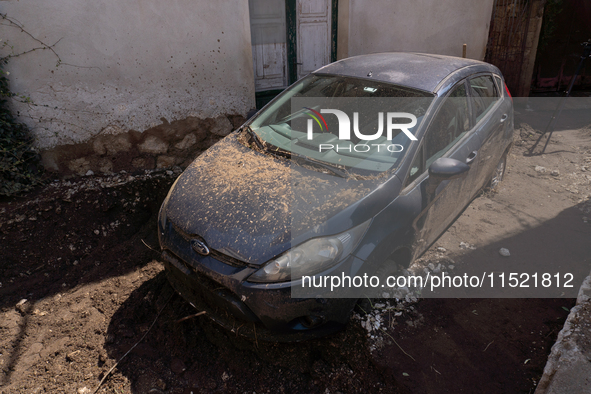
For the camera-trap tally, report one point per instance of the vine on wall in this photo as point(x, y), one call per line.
point(20, 167)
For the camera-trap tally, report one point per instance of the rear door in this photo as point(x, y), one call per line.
point(491, 115)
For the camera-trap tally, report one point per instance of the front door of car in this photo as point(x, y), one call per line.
point(449, 134)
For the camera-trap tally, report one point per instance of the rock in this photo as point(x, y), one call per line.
point(153, 145)
point(142, 162)
point(540, 169)
point(165, 161)
point(20, 306)
point(89, 173)
point(465, 245)
point(441, 250)
point(111, 144)
point(221, 126)
point(161, 385)
point(504, 252)
point(187, 142)
point(555, 173)
point(84, 390)
point(79, 166)
point(105, 166)
point(568, 367)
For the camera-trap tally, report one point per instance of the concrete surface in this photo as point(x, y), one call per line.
point(428, 26)
point(568, 369)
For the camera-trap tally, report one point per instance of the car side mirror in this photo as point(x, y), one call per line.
point(445, 169)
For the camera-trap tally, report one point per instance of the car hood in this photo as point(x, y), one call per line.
point(251, 205)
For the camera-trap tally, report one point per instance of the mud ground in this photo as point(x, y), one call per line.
point(81, 284)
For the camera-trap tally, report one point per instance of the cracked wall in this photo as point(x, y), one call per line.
point(124, 68)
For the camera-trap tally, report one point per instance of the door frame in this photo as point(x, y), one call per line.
point(263, 97)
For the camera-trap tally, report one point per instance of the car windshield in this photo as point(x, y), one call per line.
point(353, 124)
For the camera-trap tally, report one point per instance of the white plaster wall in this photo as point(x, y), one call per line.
point(127, 64)
point(429, 26)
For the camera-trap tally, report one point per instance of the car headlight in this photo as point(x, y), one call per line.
point(310, 257)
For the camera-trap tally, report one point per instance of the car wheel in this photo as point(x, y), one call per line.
point(499, 173)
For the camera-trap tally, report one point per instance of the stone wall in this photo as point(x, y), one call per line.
point(169, 144)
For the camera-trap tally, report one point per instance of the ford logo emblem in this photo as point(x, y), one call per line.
point(199, 247)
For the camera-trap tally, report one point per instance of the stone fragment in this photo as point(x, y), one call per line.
point(153, 145)
point(141, 163)
point(20, 306)
point(105, 166)
point(187, 142)
point(165, 161)
point(111, 144)
point(79, 166)
point(221, 126)
point(504, 252)
point(540, 169)
point(465, 245)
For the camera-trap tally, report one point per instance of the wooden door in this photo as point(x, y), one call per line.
point(313, 18)
point(269, 44)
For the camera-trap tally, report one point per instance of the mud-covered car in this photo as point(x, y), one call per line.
point(354, 170)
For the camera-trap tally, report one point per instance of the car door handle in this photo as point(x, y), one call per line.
point(504, 118)
point(471, 157)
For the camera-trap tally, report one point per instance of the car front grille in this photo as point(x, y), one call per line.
point(224, 258)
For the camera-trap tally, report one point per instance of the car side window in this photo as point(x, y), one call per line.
point(450, 124)
point(484, 95)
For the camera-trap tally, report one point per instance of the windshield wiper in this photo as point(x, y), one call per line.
point(257, 140)
point(332, 168)
point(274, 150)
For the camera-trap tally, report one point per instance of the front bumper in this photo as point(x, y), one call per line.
point(265, 312)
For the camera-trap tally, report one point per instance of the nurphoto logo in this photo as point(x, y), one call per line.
point(344, 132)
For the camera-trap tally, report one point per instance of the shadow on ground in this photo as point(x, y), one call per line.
point(199, 356)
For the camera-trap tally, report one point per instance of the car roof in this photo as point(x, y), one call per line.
point(416, 70)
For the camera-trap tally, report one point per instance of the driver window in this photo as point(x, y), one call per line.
point(450, 124)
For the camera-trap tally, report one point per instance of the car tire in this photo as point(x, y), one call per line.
point(499, 173)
